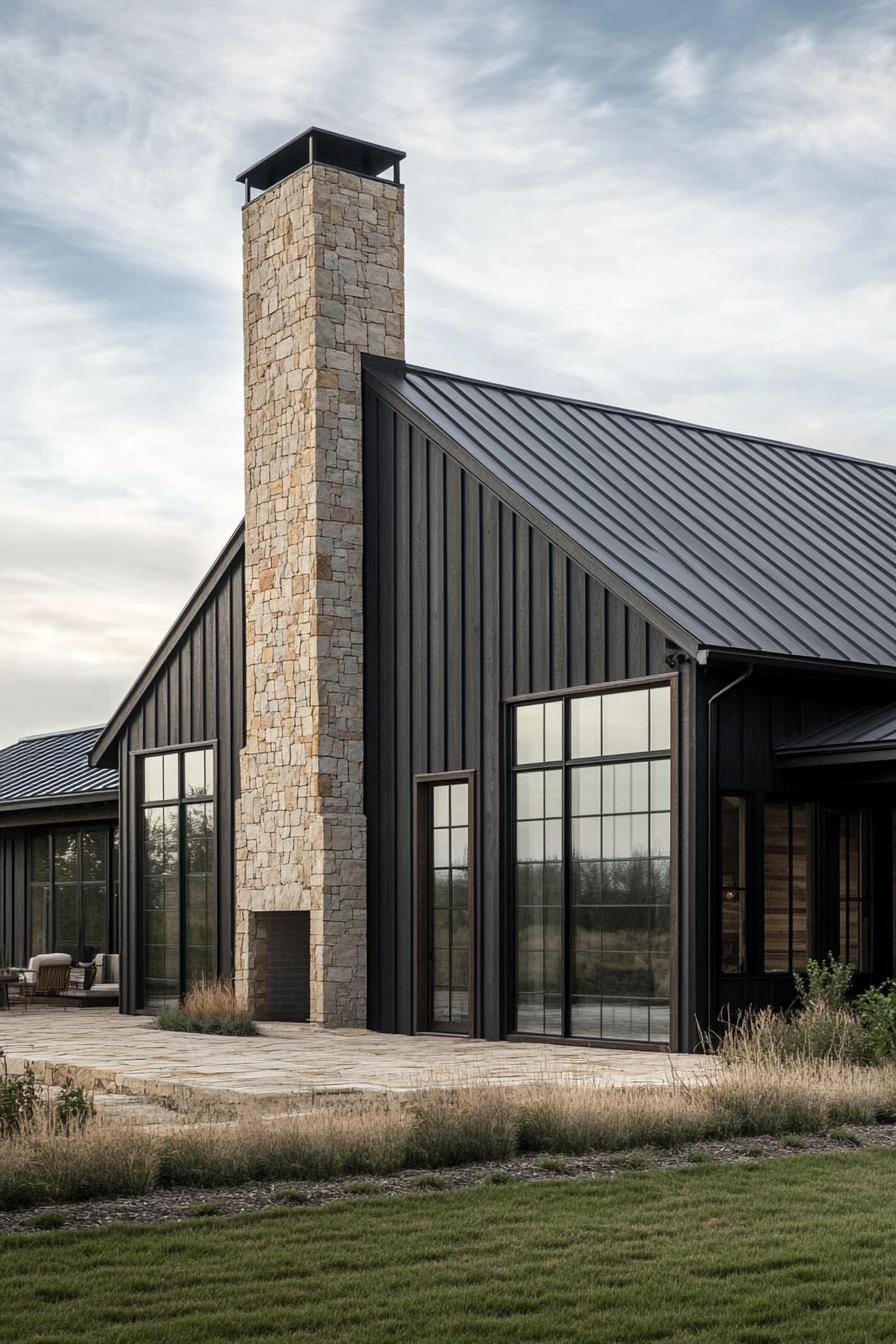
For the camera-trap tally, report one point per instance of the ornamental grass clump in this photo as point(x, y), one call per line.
point(210, 1007)
point(586, 1118)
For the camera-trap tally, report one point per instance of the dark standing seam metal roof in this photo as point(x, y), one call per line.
point(744, 543)
point(873, 729)
point(53, 767)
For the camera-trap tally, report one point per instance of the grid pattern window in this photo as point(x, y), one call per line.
point(733, 825)
point(854, 889)
point(787, 885)
point(592, 862)
point(178, 872)
point(73, 877)
point(450, 907)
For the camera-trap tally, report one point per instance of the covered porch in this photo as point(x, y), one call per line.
point(819, 852)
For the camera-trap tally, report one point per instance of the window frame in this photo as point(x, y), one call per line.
point(816, 823)
point(754, 809)
point(111, 831)
point(420, 913)
point(566, 763)
point(182, 801)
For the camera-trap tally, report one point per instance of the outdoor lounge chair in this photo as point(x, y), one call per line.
point(47, 977)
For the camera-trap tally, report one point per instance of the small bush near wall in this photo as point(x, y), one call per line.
point(212, 1008)
point(826, 1025)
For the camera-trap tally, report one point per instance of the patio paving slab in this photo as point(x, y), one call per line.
point(293, 1065)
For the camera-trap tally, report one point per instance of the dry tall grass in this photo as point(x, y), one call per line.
point(211, 1007)
point(443, 1127)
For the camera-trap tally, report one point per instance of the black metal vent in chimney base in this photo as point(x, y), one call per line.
point(317, 146)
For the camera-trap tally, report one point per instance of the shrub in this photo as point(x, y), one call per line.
point(20, 1097)
point(73, 1107)
point(877, 1011)
point(825, 984)
point(212, 1008)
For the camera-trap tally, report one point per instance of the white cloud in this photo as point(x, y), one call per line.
point(581, 224)
point(684, 76)
point(829, 96)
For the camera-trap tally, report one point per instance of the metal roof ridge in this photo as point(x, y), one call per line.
point(59, 732)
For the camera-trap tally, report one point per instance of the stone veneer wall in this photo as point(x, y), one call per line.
point(323, 284)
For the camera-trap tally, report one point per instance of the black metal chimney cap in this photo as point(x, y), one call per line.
point(319, 146)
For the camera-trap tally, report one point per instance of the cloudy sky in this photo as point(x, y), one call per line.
point(682, 207)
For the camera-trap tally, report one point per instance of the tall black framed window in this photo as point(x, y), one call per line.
point(854, 888)
point(592, 862)
point(178, 871)
point(73, 890)
point(444, 904)
point(733, 825)
point(788, 885)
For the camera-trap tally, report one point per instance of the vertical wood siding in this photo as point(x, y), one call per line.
point(197, 696)
point(466, 604)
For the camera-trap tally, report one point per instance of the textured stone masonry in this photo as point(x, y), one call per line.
point(323, 284)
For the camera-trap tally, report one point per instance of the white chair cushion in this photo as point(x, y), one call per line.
point(49, 959)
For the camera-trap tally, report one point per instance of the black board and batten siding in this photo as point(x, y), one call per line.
point(195, 695)
point(13, 898)
point(466, 605)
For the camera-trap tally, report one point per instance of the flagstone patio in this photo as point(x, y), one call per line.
point(295, 1065)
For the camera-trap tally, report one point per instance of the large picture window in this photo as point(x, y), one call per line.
point(592, 797)
point(178, 869)
point(73, 891)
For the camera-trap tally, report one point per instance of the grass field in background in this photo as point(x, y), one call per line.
point(795, 1250)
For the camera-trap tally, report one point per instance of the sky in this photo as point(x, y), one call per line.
point(685, 208)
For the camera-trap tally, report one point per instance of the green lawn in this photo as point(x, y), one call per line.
point(797, 1250)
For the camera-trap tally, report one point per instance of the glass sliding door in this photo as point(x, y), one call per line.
point(445, 911)
point(73, 879)
point(180, 900)
point(592, 798)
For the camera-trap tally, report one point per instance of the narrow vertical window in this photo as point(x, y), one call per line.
point(539, 913)
point(733, 826)
point(446, 916)
point(854, 891)
point(787, 885)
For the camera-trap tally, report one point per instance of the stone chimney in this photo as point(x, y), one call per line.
point(323, 273)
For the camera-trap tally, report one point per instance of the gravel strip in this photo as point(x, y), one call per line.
point(173, 1205)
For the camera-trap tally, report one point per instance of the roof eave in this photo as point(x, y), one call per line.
point(791, 661)
point(58, 800)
